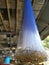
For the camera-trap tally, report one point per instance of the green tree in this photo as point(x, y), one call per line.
point(46, 42)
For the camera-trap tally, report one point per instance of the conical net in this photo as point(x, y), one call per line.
point(30, 47)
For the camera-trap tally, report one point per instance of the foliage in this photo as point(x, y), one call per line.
point(46, 42)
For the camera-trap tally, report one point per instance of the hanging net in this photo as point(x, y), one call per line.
point(30, 47)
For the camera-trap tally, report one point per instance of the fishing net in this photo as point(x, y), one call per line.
point(30, 47)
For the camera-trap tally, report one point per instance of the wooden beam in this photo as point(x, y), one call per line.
point(44, 33)
point(9, 20)
point(32, 2)
point(3, 21)
point(10, 33)
point(42, 9)
point(16, 18)
point(42, 23)
point(17, 2)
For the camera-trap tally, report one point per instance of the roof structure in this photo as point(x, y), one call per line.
point(11, 18)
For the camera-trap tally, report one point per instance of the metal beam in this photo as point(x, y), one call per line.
point(3, 21)
point(9, 20)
